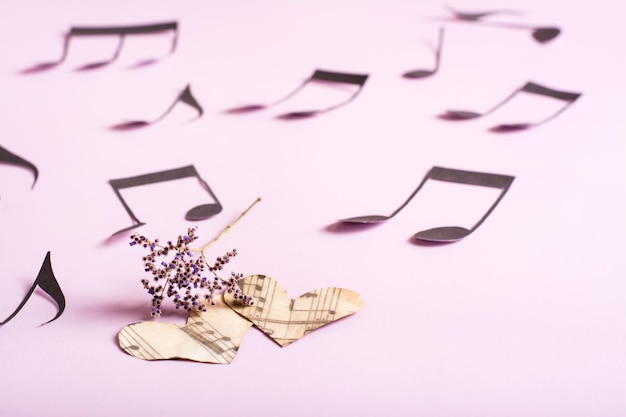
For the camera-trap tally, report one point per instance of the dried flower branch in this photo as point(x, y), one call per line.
point(182, 277)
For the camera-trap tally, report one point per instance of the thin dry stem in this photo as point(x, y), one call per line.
point(227, 228)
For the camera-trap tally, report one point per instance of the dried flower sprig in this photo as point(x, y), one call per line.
point(182, 277)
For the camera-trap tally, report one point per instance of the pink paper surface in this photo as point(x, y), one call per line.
point(525, 317)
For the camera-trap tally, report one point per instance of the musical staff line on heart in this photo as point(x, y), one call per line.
point(213, 336)
point(286, 320)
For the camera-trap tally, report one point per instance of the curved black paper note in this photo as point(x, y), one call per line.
point(8, 157)
point(318, 75)
point(529, 87)
point(446, 233)
point(48, 283)
point(184, 97)
point(472, 16)
point(422, 73)
point(120, 31)
point(200, 212)
point(541, 34)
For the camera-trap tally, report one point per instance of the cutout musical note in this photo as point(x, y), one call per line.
point(48, 283)
point(184, 97)
point(287, 320)
point(422, 73)
point(471, 16)
point(200, 212)
point(541, 34)
point(447, 233)
point(529, 87)
point(318, 76)
point(120, 31)
point(12, 159)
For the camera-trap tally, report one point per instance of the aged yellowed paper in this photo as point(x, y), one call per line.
point(285, 319)
point(213, 337)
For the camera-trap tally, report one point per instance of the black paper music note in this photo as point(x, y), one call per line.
point(8, 157)
point(318, 75)
point(48, 283)
point(422, 73)
point(541, 34)
point(472, 16)
point(529, 87)
point(447, 233)
point(120, 31)
point(200, 212)
point(184, 97)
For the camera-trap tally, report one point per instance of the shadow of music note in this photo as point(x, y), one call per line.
point(423, 73)
point(200, 212)
point(319, 76)
point(446, 233)
point(48, 283)
point(541, 34)
point(184, 97)
point(10, 158)
point(120, 31)
point(529, 87)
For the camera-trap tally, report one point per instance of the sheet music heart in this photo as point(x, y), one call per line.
point(211, 337)
point(285, 319)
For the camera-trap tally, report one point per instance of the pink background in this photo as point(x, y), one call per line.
point(525, 317)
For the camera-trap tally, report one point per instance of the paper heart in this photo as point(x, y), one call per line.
point(213, 337)
point(286, 320)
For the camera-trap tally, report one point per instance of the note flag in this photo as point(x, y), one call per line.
point(48, 283)
point(120, 31)
point(541, 34)
point(422, 73)
point(447, 233)
point(12, 159)
point(529, 87)
point(184, 97)
point(200, 212)
point(318, 76)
